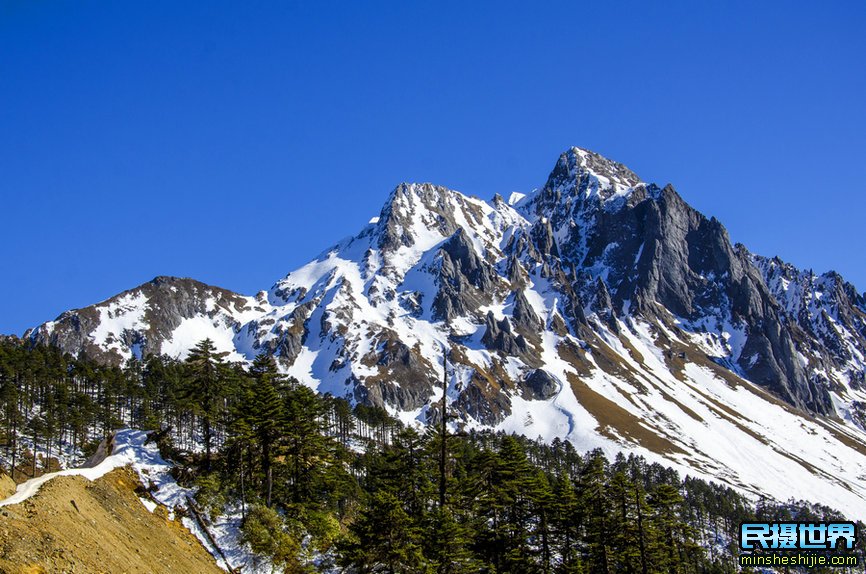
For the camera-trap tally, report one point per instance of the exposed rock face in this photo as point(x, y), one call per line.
point(484, 400)
point(524, 317)
point(691, 269)
point(516, 273)
point(466, 281)
point(498, 337)
point(410, 204)
point(541, 385)
point(290, 334)
point(826, 316)
point(405, 380)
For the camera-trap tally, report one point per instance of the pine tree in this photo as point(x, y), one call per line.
point(448, 543)
point(265, 414)
point(207, 387)
point(405, 469)
point(567, 525)
point(544, 506)
point(667, 530)
point(384, 539)
point(13, 418)
point(625, 537)
point(308, 452)
point(265, 531)
point(595, 505)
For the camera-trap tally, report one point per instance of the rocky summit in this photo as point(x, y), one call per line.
point(599, 309)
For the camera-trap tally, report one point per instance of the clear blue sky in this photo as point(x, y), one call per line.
point(232, 142)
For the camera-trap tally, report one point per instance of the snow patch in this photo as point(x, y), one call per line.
point(195, 329)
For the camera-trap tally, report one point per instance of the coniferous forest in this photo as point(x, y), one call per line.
point(315, 476)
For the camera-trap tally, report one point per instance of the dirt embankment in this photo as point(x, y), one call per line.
point(7, 486)
point(75, 525)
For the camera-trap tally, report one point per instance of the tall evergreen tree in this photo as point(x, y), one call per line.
point(448, 541)
point(207, 379)
point(384, 539)
point(266, 414)
point(567, 524)
point(595, 505)
point(667, 528)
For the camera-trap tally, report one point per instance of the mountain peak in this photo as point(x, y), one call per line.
point(581, 174)
point(419, 215)
point(578, 161)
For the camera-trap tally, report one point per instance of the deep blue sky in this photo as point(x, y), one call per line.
point(232, 142)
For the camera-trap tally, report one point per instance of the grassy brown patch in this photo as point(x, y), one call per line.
point(611, 416)
point(576, 357)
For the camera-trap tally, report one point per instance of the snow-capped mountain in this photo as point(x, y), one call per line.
point(599, 308)
point(167, 315)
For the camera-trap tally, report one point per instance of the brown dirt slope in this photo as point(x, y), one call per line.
point(7, 486)
point(75, 525)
